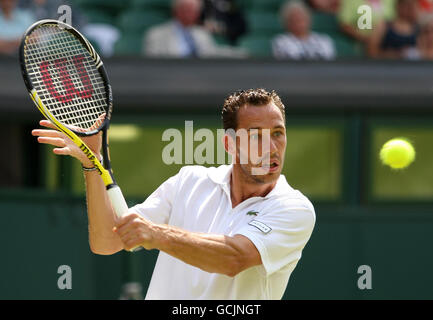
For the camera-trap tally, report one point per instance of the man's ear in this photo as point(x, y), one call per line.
point(229, 144)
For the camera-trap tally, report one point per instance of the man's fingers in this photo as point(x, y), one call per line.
point(48, 124)
point(125, 220)
point(98, 122)
point(47, 133)
point(134, 240)
point(95, 125)
point(58, 142)
point(62, 151)
point(123, 230)
point(126, 233)
point(132, 244)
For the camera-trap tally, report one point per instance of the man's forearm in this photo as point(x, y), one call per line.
point(209, 252)
point(101, 216)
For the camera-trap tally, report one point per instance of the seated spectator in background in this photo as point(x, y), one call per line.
point(392, 39)
point(326, 6)
point(183, 38)
point(13, 23)
point(348, 16)
point(424, 43)
point(300, 42)
point(223, 18)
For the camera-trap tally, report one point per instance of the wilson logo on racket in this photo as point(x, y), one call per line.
point(61, 66)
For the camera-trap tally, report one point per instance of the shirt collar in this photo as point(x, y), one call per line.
point(221, 175)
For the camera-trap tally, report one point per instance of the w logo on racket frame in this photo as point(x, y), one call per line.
point(61, 66)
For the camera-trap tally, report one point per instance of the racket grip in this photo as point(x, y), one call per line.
point(117, 201)
point(119, 205)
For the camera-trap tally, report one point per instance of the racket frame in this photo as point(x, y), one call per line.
point(117, 200)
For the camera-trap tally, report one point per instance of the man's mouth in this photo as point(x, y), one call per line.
point(271, 167)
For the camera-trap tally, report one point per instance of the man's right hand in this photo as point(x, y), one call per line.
point(66, 146)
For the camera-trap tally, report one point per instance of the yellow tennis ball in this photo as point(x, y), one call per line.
point(397, 153)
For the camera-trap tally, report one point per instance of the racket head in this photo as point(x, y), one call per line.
point(63, 70)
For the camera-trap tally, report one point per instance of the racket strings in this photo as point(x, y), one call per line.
point(65, 77)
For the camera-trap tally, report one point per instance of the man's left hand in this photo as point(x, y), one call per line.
point(135, 231)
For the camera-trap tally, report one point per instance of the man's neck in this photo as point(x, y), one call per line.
point(302, 36)
point(242, 189)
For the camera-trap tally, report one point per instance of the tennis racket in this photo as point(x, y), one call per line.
point(67, 81)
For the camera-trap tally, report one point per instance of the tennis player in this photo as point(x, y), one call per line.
point(223, 232)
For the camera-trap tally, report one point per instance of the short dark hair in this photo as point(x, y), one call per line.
point(254, 97)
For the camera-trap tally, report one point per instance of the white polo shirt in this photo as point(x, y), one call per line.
point(198, 199)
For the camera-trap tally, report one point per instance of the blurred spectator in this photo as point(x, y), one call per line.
point(392, 39)
point(382, 10)
point(182, 37)
point(424, 43)
point(13, 23)
point(103, 35)
point(300, 42)
point(223, 18)
point(326, 6)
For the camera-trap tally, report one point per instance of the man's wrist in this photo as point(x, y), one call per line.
point(89, 166)
point(159, 236)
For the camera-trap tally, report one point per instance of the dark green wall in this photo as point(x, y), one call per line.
point(37, 237)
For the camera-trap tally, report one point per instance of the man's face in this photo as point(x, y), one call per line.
point(187, 12)
point(298, 22)
point(409, 10)
point(265, 128)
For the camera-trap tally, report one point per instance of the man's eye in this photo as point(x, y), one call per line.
point(277, 133)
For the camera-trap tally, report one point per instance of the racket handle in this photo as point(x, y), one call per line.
point(119, 205)
point(117, 201)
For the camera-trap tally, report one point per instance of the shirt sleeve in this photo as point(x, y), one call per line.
point(281, 233)
point(157, 207)
point(328, 48)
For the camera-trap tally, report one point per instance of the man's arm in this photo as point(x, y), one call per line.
point(213, 253)
point(100, 213)
point(101, 217)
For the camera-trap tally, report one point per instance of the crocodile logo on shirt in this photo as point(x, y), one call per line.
point(252, 213)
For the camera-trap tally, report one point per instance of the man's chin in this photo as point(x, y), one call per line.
point(259, 171)
point(260, 175)
point(264, 175)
